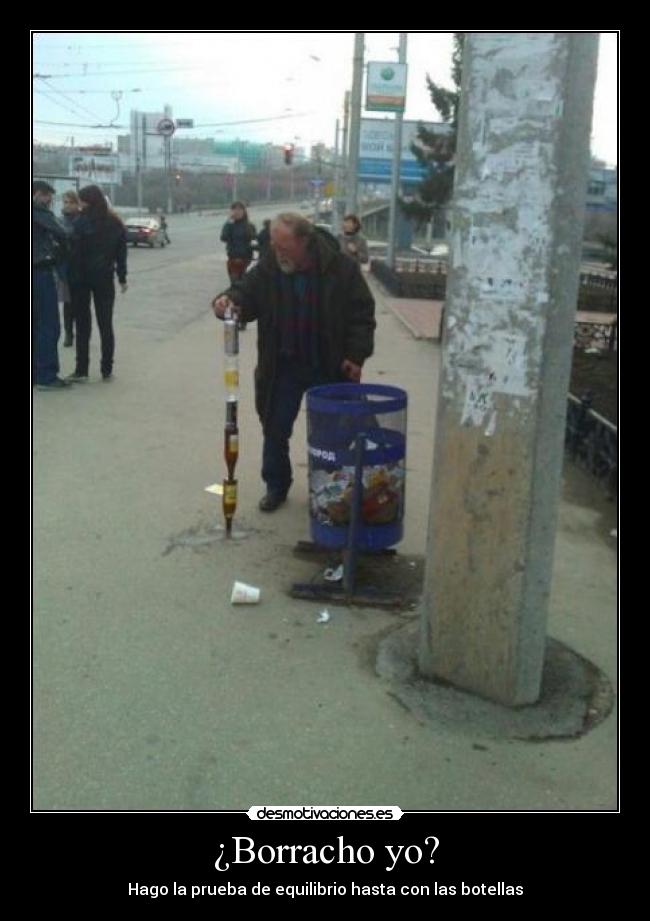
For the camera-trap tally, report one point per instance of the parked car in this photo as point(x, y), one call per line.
point(144, 230)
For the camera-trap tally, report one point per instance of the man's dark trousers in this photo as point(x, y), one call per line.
point(292, 380)
point(103, 294)
point(46, 327)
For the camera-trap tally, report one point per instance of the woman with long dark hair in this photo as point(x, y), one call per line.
point(98, 253)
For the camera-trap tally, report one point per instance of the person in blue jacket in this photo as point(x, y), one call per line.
point(98, 254)
point(49, 243)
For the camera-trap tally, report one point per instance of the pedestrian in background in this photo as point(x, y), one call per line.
point(49, 243)
point(163, 227)
point(264, 239)
point(316, 322)
point(352, 241)
point(238, 234)
point(70, 211)
point(98, 253)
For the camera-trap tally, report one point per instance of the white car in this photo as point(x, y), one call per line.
point(144, 230)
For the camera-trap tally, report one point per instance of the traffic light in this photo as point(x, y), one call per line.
point(288, 154)
point(178, 178)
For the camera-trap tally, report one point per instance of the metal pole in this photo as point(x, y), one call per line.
point(346, 128)
point(355, 124)
point(351, 552)
point(394, 183)
point(168, 157)
point(344, 154)
point(337, 180)
point(235, 190)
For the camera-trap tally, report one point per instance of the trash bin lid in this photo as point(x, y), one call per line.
point(328, 398)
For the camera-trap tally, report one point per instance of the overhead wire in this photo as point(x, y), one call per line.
point(112, 73)
point(247, 121)
point(80, 108)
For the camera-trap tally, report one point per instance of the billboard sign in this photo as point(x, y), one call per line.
point(96, 168)
point(376, 149)
point(386, 87)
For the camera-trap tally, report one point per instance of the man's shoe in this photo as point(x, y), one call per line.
point(77, 378)
point(56, 384)
point(271, 501)
point(67, 342)
point(108, 376)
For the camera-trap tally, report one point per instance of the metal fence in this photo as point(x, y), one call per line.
point(422, 277)
point(592, 442)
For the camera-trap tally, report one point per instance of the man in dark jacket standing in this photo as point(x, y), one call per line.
point(316, 321)
point(49, 240)
point(238, 234)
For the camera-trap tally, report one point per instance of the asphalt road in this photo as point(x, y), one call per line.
point(170, 283)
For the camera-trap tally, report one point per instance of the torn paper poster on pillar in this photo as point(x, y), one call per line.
point(478, 400)
point(508, 361)
point(506, 364)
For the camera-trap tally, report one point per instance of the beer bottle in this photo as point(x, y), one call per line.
point(231, 411)
point(231, 447)
point(231, 377)
point(231, 335)
point(229, 503)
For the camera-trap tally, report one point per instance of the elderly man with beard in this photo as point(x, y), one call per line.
point(316, 321)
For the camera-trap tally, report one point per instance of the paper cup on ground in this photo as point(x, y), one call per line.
point(244, 594)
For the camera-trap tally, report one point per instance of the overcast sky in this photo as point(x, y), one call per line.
point(292, 82)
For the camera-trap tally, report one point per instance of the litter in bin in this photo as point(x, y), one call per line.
point(323, 617)
point(383, 490)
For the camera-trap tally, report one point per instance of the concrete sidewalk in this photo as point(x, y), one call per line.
point(151, 691)
point(422, 318)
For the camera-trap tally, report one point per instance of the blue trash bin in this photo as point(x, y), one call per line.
point(340, 417)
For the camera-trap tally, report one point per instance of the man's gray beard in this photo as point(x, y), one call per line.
point(287, 267)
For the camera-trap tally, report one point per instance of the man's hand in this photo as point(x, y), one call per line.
point(123, 287)
point(222, 304)
point(351, 371)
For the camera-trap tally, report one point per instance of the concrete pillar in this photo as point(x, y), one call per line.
point(521, 179)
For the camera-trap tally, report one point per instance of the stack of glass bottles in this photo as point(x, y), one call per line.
point(231, 431)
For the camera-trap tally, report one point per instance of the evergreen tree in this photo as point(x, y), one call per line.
point(436, 151)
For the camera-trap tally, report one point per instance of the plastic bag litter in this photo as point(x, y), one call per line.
point(334, 574)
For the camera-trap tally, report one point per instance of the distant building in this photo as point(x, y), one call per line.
point(602, 191)
point(206, 163)
point(146, 144)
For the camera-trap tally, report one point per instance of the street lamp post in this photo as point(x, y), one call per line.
point(355, 125)
point(397, 157)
